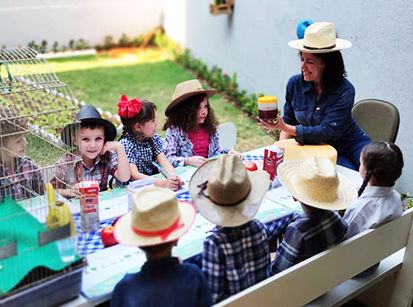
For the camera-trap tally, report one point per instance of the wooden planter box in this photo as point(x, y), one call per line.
point(220, 9)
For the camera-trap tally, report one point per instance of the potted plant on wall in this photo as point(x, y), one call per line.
point(219, 7)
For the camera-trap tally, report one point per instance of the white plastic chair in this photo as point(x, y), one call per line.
point(227, 135)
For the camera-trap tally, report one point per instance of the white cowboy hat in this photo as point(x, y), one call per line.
point(225, 193)
point(156, 218)
point(320, 37)
point(184, 90)
point(315, 182)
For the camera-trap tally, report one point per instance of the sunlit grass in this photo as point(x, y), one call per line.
point(148, 74)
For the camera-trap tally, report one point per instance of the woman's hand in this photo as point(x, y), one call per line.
point(287, 131)
point(278, 125)
point(196, 161)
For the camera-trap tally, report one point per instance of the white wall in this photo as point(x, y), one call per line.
point(62, 20)
point(253, 43)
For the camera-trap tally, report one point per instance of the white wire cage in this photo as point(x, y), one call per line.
point(38, 238)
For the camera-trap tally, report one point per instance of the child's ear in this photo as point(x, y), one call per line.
point(138, 127)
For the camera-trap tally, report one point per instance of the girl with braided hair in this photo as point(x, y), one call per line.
point(381, 165)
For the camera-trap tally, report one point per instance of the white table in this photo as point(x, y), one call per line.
point(132, 258)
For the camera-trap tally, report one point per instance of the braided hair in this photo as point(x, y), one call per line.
point(383, 161)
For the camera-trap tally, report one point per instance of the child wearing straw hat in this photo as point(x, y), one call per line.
point(236, 255)
point(191, 127)
point(315, 183)
point(155, 224)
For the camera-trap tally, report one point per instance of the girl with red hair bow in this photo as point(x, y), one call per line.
point(142, 144)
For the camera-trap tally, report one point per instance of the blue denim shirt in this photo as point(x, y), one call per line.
point(327, 120)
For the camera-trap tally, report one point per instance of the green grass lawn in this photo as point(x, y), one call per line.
point(101, 81)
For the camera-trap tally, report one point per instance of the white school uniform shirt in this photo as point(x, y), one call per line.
point(376, 206)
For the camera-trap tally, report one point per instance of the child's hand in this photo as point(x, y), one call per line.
point(196, 161)
point(232, 151)
point(111, 146)
point(173, 183)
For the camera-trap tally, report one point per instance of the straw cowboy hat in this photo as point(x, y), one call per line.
point(225, 193)
point(184, 90)
point(320, 37)
point(156, 218)
point(88, 114)
point(315, 182)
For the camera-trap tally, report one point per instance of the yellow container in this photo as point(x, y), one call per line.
point(268, 108)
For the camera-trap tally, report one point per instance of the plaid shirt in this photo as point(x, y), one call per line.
point(104, 166)
point(142, 153)
point(178, 146)
point(307, 236)
point(23, 182)
point(235, 258)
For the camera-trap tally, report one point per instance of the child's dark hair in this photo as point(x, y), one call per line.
point(184, 116)
point(91, 125)
point(157, 249)
point(147, 113)
point(383, 161)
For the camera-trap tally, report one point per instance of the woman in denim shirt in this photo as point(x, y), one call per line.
point(318, 101)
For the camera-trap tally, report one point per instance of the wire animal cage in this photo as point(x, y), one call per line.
point(37, 231)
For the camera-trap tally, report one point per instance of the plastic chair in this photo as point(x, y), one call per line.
point(227, 135)
point(378, 118)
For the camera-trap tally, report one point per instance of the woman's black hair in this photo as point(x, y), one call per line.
point(383, 161)
point(147, 113)
point(334, 70)
point(184, 115)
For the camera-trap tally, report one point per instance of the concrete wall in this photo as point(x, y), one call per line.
point(253, 43)
point(62, 20)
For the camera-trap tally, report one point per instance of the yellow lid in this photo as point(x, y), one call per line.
point(267, 99)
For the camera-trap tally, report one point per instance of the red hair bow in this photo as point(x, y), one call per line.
point(128, 108)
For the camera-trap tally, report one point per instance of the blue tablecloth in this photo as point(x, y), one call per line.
point(91, 242)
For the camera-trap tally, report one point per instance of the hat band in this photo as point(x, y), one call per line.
point(315, 48)
point(164, 233)
point(203, 186)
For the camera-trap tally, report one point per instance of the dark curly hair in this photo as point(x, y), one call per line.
point(147, 113)
point(184, 116)
point(383, 161)
point(334, 70)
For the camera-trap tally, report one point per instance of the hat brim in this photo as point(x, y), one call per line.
point(68, 132)
point(181, 98)
point(125, 235)
point(228, 216)
point(346, 192)
point(340, 44)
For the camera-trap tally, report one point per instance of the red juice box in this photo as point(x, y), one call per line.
point(89, 202)
point(273, 156)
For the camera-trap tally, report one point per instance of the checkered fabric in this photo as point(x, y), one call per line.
point(90, 242)
point(142, 153)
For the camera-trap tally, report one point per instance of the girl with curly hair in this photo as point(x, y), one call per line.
point(191, 127)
